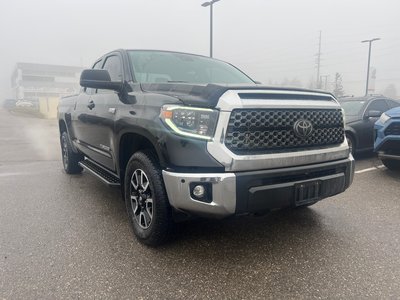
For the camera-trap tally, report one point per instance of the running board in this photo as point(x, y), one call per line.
point(101, 173)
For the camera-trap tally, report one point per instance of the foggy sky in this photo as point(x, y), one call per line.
point(268, 39)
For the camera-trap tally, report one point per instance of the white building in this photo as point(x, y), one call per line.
point(43, 84)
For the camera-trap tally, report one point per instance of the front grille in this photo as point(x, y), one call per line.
point(253, 131)
point(393, 129)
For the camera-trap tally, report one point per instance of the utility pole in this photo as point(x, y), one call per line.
point(319, 61)
point(210, 4)
point(369, 60)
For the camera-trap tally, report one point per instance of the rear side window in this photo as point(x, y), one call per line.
point(393, 104)
point(379, 105)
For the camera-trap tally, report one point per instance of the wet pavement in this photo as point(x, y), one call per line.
point(68, 237)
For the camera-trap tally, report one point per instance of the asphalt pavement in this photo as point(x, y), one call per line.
point(67, 237)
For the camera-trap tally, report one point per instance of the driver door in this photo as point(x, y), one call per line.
point(366, 137)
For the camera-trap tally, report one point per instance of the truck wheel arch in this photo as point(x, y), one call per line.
point(62, 126)
point(354, 139)
point(131, 142)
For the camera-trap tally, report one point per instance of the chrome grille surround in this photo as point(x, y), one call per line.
point(231, 100)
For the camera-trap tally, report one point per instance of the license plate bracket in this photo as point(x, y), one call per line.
point(307, 192)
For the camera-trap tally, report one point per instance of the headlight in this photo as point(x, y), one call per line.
point(190, 121)
point(384, 118)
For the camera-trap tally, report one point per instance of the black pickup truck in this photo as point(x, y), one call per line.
point(185, 135)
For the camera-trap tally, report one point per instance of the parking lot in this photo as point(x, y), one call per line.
point(68, 237)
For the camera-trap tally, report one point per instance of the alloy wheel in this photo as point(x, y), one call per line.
point(141, 199)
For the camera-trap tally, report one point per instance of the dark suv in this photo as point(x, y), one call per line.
point(361, 113)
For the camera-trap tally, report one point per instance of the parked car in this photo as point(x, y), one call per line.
point(387, 138)
point(24, 103)
point(361, 113)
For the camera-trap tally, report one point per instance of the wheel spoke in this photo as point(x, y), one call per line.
point(148, 217)
point(143, 219)
point(144, 182)
point(134, 203)
point(149, 207)
point(135, 180)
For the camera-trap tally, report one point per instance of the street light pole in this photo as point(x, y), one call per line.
point(369, 60)
point(210, 4)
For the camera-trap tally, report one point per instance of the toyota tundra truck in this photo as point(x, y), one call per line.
point(185, 135)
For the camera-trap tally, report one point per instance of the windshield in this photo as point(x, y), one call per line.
point(164, 67)
point(352, 108)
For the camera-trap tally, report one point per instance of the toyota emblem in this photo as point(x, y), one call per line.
point(302, 128)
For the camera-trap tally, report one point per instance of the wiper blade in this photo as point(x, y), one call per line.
point(176, 81)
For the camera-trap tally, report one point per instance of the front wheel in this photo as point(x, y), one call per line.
point(147, 204)
point(391, 164)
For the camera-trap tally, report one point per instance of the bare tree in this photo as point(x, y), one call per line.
point(338, 90)
point(390, 91)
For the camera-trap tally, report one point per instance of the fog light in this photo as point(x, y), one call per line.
point(199, 191)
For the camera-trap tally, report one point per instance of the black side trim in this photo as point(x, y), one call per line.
point(78, 143)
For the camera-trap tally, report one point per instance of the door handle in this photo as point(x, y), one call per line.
point(91, 105)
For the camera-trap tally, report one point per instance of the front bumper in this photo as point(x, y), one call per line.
point(257, 191)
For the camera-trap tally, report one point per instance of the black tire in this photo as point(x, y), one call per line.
point(151, 221)
point(69, 157)
point(305, 205)
point(352, 143)
point(391, 164)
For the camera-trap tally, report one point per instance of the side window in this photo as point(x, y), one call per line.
point(97, 65)
point(113, 66)
point(379, 105)
point(393, 104)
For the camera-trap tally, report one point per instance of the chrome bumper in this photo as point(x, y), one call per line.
point(228, 199)
point(223, 193)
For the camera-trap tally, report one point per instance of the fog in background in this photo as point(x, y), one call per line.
point(274, 41)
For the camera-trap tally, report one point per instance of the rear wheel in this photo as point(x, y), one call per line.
point(69, 157)
point(391, 164)
point(146, 200)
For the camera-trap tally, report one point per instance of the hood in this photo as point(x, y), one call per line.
point(394, 112)
point(208, 95)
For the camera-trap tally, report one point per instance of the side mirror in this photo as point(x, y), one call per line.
point(99, 79)
point(373, 114)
